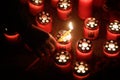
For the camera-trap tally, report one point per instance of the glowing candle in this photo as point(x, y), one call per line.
point(44, 21)
point(111, 48)
point(35, 6)
point(85, 8)
point(81, 70)
point(54, 3)
point(64, 8)
point(62, 60)
point(63, 38)
point(113, 30)
point(84, 49)
point(91, 28)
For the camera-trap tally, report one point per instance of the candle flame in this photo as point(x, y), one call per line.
point(70, 25)
point(66, 36)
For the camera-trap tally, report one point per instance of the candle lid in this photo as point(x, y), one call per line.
point(111, 46)
point(43, 17)
point(64, 4)
point(91, 23)
point(84, 45)
point(36, 2)
point(62, 57)
point(81, 68)
point(65, 38)
point(114, 27)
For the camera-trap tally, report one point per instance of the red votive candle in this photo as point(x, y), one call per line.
point(113, 30)
point(64, 8)
point(44, 21)
point(54, 3)
point(35, 6)
point(81, 70)
point(91, 28)
point(63, 39)
point(62, 60)
point(111, 48)
point(85, 8)
point(84, 49)
point(11, 35)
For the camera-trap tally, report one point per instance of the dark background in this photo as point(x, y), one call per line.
point(15, 59)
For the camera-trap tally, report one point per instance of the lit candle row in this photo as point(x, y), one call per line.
point(63, 62)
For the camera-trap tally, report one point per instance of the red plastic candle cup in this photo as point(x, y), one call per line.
point(84, 49)
point(63, 39)
point(11, 35)
point(35, 6)
point(62, 60)
point(91, 28)
point(54, 3)
point(113, 30)
point(44, 21)
point(81, 70)
point(64, 8)
point(85, 8)
point(111, 48)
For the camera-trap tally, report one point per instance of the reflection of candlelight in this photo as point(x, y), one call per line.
point(81, 70)
point(111, 48)
point(66, 35)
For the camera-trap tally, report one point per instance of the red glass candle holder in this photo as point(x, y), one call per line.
point(63, 40)
point(84, 49)
point(35, 6)
point(81, 70)
point(44, 21)
point(111, 48)
point(64, 8)
point(11, 35)
point(113, 30)
point(85, 8)
point(62, 60)
point(91, 28)
point(54, 3)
